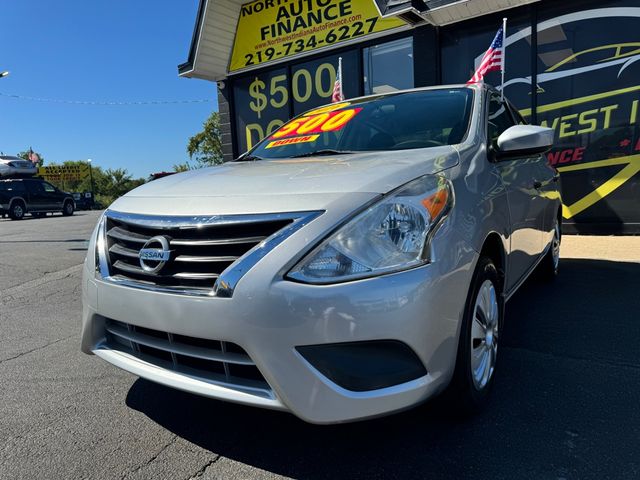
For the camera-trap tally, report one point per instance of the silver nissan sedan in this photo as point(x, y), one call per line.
point(354, 263)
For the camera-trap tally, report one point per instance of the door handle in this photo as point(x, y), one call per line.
point(537, 185)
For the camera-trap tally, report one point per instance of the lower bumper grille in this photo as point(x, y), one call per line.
point(215, 361)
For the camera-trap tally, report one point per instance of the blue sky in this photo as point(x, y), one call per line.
point(100, 50)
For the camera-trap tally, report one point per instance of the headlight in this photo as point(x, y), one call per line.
point(391, 235)
point(100, 256)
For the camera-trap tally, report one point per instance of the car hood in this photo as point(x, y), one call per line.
point(298, 183)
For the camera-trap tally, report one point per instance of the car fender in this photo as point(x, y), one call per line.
point(13, 199)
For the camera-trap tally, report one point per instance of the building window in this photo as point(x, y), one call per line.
point(388, 66)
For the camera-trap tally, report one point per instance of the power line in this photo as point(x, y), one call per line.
point(83, 102)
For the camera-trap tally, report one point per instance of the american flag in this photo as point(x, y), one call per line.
point(33, 156)
point(492, 59)
point(338, 95)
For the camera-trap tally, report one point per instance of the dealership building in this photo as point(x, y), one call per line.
point(572, 65)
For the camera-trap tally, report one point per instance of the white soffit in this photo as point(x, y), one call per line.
point(452, 12)
point(213, 39)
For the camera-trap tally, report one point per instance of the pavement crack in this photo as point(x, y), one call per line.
point(151, 460)
point(37, 348)
point(24, 289)
point(200, 473)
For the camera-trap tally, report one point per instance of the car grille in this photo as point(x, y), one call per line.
point(212, 360)
point(200, 252)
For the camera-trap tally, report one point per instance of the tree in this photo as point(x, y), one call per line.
point(205, 147)
point(26, 153)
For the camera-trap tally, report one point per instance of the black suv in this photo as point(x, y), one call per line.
point(34, 196)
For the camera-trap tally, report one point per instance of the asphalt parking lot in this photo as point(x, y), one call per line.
point(565, 404)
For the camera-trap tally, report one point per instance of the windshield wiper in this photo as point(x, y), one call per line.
point(326, 151)
point(248, 158)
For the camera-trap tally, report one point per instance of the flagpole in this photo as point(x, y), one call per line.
point(340, 76)
point(504, 52)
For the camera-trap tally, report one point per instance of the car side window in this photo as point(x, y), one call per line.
point(499, 119)
point(48, 187)
point(35, 187)
point(12, 187)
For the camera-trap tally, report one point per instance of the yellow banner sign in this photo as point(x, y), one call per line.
point(272, 29)
point(64, 172)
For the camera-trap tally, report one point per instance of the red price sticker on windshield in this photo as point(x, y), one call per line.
point(316, 124)
point(291, 141)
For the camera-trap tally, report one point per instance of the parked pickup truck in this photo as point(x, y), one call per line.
point(32, 195)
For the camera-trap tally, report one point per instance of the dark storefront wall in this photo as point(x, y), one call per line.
point(587, 90)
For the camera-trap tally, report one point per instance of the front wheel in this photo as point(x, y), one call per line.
point(551, 262)
point(479, 336)
point(68, 209)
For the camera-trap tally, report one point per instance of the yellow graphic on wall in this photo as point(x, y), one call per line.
point(271, 30)
point(632, 166)
point(587, 121)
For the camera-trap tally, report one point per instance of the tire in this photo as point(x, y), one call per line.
point(17, 211)
point(67, 209)
point(479, 334)
point(550, 264)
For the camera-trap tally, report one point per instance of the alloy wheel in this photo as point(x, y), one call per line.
point(484, 335)
point(555, 246)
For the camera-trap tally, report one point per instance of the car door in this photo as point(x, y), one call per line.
point(54, 197)
point(37, 200)
point(526, 207)
point(547, 180)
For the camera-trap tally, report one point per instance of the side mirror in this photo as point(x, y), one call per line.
point(524, 140)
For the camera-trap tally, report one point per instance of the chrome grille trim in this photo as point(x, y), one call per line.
point(204, 359)
point(223, 283)
point(126, 236)
point(125, 252)
point(204, 259)
point(226, 241)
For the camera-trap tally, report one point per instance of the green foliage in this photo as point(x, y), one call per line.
point(182, 167)
point(205, 147)
point(25, 155)
point(108, 184)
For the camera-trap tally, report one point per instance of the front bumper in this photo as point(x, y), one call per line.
point(421, 308)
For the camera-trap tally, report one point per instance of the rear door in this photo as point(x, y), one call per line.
point(37, 198)
point(525, 204)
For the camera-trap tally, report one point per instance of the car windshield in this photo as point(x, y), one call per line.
point(402, 121)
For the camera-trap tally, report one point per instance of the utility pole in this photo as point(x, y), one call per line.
point(91, 179)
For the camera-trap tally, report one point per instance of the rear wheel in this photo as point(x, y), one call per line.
point(479, 336)
point(17, 211)
point(67, 209)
